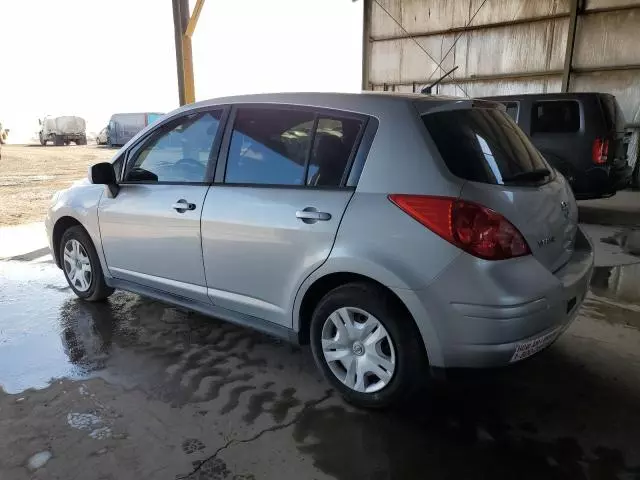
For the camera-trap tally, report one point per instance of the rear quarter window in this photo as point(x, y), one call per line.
point(557, 116)
point(485, 145)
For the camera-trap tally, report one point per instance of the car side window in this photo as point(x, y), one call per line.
point(555, 117)
point(269, 146)
point(273, 146)
point(179, 152)
point(334, 142)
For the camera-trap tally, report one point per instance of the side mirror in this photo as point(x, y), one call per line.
point(104, 174)
point(39, 122)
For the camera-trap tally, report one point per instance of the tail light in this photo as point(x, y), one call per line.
point(476, 229)
point(600, 151)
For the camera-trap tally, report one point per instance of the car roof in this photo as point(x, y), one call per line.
point(367, 102)
point(135, 113)
point(545, 96)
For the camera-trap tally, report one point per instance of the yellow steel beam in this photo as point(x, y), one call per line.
point(185, 25)
point(187, 59)
point(193, 21)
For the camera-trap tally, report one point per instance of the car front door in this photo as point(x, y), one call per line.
point(151, 230)
point(272, 215)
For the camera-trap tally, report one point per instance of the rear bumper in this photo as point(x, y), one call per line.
point(481, 312)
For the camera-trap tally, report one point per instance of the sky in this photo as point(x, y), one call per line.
point(93, 59)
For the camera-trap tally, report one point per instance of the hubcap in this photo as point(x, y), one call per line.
point(358, 349)
point(77, 266)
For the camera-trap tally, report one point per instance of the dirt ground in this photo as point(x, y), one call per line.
point(30, 174)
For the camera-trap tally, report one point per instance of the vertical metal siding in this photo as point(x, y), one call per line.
point(608, 39)
point(510, 47)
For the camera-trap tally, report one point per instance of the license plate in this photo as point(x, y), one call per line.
point(526, 349)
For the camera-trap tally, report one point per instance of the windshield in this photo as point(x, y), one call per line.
point(485, 145)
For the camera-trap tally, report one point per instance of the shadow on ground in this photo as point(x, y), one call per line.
point(525, 423)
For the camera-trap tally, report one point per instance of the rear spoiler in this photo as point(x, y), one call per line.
point(433, 106)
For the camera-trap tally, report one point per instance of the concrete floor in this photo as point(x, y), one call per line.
point(134, 389)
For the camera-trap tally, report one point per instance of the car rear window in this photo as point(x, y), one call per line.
point(485, 145)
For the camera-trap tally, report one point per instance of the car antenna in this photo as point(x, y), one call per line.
point(427, 90)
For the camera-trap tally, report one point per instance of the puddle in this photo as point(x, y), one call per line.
point(175, 355)
point(44, 332)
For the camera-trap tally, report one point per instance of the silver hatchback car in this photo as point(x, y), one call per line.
point(394, 233)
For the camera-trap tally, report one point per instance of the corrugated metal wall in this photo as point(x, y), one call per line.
point(504, 47)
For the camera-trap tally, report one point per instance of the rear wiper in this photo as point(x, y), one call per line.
point(531, 175)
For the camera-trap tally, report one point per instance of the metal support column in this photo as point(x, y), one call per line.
point(571, 39)
point(177, 29)
point(366, 42)
point(184, 25)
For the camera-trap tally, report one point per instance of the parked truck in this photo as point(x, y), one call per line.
point(63, 130)
point(123, 126)
point(3, 138)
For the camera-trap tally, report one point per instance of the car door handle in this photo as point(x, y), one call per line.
point(182, 206)
point(312, 215)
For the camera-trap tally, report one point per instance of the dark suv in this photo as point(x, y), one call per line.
point(580, 134)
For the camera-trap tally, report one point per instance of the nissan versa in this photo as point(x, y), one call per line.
point(394, 233)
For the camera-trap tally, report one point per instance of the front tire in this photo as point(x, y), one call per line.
point(81, 265)
point(367, 346)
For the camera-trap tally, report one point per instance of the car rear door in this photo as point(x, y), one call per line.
point(557, 129)
point(272, 215)
point(151, 230)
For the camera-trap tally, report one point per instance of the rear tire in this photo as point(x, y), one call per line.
point(382, 340)
point(81, 141)
point(81, 265)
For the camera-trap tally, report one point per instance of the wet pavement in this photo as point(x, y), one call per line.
point(133, 388)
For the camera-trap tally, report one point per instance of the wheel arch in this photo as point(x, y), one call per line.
point(62, 225)
point(324, 284)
